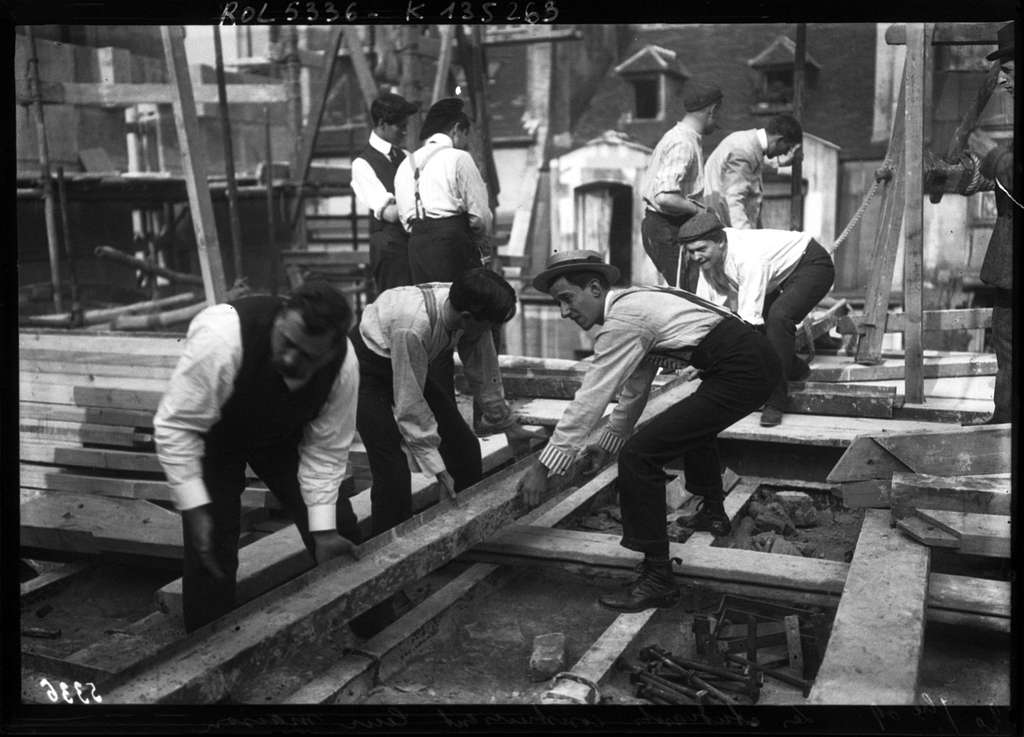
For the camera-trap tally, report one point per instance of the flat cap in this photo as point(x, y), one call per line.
point(441, 115)
point(699, 226)
point(391, 107)
point(561, 263)
point(698, 95)
point(1006, 42)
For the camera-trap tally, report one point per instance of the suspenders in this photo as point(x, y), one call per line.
point(421, 213)
point(683, 294)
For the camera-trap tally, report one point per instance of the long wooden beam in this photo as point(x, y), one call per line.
point(950, 34)
point(895, 322)
point(877, 638)
point(123, 94)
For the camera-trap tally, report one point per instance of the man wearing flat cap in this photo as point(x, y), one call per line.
point(771, 278)
point(642, 329)
point(997, 268)
point(373, 181)
point(673, 186)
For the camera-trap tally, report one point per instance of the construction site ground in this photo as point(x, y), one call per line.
point(481, 650)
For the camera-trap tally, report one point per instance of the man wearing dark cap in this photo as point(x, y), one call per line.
point(673, 186)
point(640, 330)
point(373, 181)
point(770, 278)
point(733, 174)
point(997, 268)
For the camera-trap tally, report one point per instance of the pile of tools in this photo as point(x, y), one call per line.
point(668, 679)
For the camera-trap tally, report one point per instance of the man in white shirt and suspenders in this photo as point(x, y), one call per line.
point(642, 329)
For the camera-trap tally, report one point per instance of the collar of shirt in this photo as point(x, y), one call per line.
point(440, 139)
point(762, 138)
point(380, 144)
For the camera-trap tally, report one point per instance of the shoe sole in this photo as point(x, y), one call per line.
point(664, 603)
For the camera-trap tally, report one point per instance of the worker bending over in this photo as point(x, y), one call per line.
point(639, 330)
point(771, 278)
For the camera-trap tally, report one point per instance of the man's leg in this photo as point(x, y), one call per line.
point(796, 298)
point(460, 447)
point(204, 597)
point(1002, 343)
point(659, 240)
point(390, 261)
point(391, 494)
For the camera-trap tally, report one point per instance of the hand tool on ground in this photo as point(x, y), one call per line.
point(743, 685)
point(665, 687)
point(773, 672)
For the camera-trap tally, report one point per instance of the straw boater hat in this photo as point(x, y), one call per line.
point(1005, 40)
point(561, 263)
point(440, 116)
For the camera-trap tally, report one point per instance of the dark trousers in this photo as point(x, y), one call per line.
point(658, 233)
point(439, 250)
point(391, 493)
point(739, 371)
point(788, 305)
point(389, 257)
point(1002, 343)
point(204, 598)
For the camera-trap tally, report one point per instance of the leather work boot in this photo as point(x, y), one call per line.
point(654, 587)
point(711, 517)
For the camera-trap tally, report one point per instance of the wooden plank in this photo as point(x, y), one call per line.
point(974, 318)
point(31, 367)
point(918, 39)
point(123, 94)
point(98, 524)
point(927, 533)
point(864, 459)
point(367, 84)
point(874, 493)
point(597, 661)
point(953, 451)
point(985, 494)
point(867, 390)
point(61, 669)
point(194, 164)
point(950, 34)
point(111, 382)
point(121, 346)
point(839, 403)
point(877, 637)
point(50, 582)
point(976, 364)
point(36, 431)
point(71, 455)
point(135, 419)
point(979, 534)
point(102, 360)
point(890, 221)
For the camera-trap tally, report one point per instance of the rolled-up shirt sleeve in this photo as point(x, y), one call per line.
point(324, 449)
point(202, 382)
point(368, 188)
point(737, 177)
point(480, 367)
point(416, 421)
point(618, 351)
point(478, 205)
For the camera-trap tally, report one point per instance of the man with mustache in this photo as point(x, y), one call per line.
point(273, 384)
point(642, 329)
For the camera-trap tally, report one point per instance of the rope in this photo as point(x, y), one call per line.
point(859, 214)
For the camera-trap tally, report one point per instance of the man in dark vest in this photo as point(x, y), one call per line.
point(272, 384)
point(373, 181)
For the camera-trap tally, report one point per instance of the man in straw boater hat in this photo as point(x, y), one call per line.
point(673, 185)
point(373, 181)
point(997, 268)
point(639, 330)
point(771, 278)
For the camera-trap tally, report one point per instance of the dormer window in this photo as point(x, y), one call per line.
point(649, 71)
point(774, 84)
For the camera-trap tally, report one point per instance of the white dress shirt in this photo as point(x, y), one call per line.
point(756, 262)
point(368, 188)
point(397, 326)
point(449, 184)
point(203, 381)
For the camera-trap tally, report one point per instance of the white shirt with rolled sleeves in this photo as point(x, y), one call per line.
point(756, 262)
point(202, 382)
point(367, 187)
point(643, 329)
point(676, 165)
point(397, 326)
point(450, 183)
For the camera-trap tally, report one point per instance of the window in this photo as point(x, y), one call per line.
point(648, 98)
point(773, 91)
point(648, 71)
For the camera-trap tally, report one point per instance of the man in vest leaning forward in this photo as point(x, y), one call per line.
point(272, 384)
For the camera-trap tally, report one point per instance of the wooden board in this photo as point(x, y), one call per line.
point(840, 368)
point(120, 345)
point(927, 534)
point(985, 494)
point(956, 451)
point(978, 534)
point(71, 455)
point(865, 459)
point(52, 581)
point(877, 637)
point(136, 419)
point(56, 431)
point(33, 367)
point(94, 524)
point(806, 401)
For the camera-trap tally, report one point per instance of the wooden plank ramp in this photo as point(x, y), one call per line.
point(874, 650)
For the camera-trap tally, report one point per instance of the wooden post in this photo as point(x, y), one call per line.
point(229, 157)
point(316, 114)
point(194, 164)
point(275, 256)
point(293, 69)
point(44, 169)
point(76, 305)
point(444, 62)
point(796, 203)
point(913, 223)
point(362, 69)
